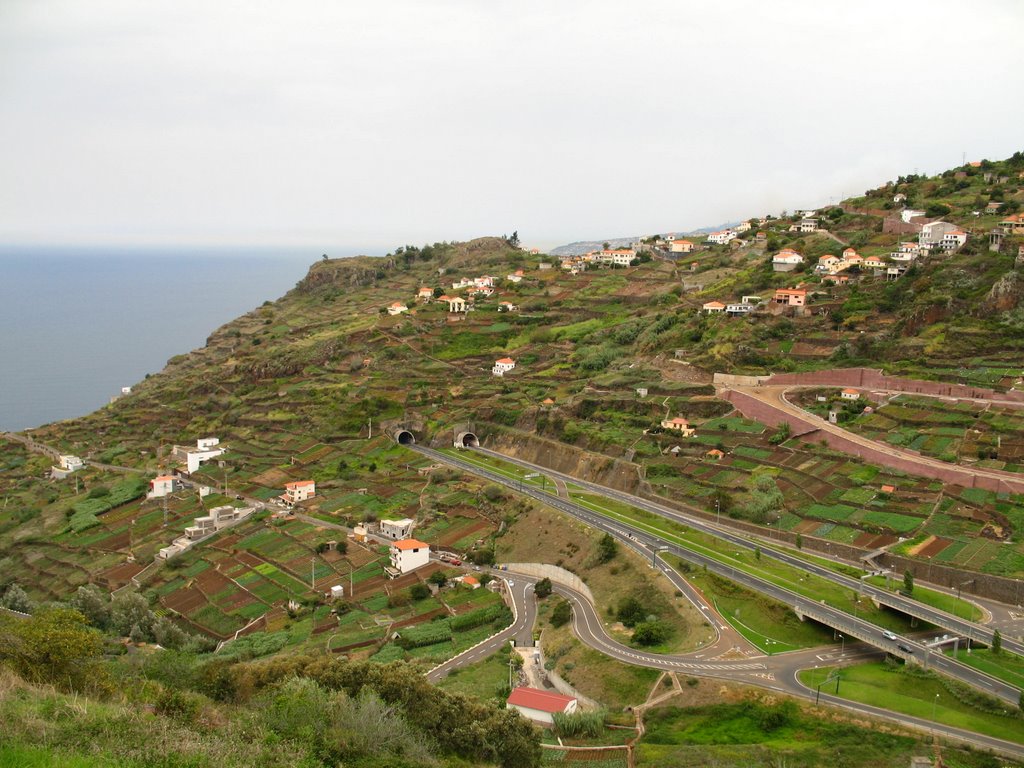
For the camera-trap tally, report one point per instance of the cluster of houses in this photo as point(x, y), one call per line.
point(479, 287)
point(744, 307)
point(618, 257)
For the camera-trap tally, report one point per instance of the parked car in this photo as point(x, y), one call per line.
point(888, 635)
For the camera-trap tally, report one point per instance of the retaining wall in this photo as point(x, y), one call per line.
point(870, 378)
point(808, 431)
point(555, 573)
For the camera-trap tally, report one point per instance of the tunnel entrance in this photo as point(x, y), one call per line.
point(467, 440)
point(405, 437)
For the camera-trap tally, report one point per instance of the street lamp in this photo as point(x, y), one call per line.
point(842, 648)
point(934, 702)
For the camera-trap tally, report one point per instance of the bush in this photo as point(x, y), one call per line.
point(542, 588)
point(651, 633)
point(419, 591)
point(607, 548)
point(577, 724)
point(561, 614)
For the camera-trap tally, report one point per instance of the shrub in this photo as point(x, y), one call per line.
point(561, 614)
point(651, 633)
point(577, 724)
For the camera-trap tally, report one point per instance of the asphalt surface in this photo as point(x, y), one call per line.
point(589, 628)
point(976, 632)
point(524, 607)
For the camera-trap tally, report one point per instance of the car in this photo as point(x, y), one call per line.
point(905, 648)
point(888, 635)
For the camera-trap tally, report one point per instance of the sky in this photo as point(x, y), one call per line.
point(344, 125)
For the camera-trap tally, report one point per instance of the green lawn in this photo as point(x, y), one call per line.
point(919, 694)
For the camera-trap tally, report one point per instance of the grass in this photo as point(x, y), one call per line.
point(917, 694)
point(484, 680)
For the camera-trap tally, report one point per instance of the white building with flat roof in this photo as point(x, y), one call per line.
point(397, 529)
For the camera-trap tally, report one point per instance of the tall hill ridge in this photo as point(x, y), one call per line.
point(340, 349)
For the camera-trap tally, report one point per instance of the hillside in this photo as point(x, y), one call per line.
point(316, 385)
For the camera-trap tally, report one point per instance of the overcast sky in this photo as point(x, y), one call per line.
point(338, 125)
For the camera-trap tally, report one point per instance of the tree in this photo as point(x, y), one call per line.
point(651, 633)
point(631, 612)
point(93, 604)
point(908, 582)
point(129, 609)
point(799, 541)
point(167, 634)
point(514, 240)
point(54, 646)
point(419, 591)
point(561, 614)
point(438, 578)
point(542, 588)
point(997, 642)
point(16, 599)
point(607, 548)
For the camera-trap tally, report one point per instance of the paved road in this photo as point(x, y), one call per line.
point(649, 543)
point(977, 632)
point(775, 396)
point(524, 607)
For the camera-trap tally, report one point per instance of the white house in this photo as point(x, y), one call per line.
point(711, 307)
point(849, 394)
point(126, 390)
point(337, 592)
point(909, 213)
point(486, 281)
point(899, 197)
point(425, 294)
point(503, 366)
point(409, 554)
point(721, 237)
point(397, 308)
point(805, 225)
point(162, 486)
point(933, 232)
point(540, 706)
point(515, 277)
point(739, 309)
point(206, 448)
point(396, 529)
point(953, 240)
point(71, 463)
point(786, 260)
point(826, 263)
point(507, 306)
point(680, 425)
point(873, 262)
point(743, 226)
point(298, 491)
point(681, 246)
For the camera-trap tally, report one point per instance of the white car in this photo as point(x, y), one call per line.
point(888, 635)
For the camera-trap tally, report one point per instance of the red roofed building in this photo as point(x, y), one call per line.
point(849, 394)
point(791, 297)
point(503, 366)
point(540, 706)
point(713, 306)
point(408, 555)
point(679, 424)
point(298, 491)
point(681, 246)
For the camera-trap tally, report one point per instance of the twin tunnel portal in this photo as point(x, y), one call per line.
point(462, 439)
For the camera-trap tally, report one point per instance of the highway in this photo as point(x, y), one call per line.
point(943, 619)
point(649, 544)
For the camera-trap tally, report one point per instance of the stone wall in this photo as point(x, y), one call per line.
point(870, 378)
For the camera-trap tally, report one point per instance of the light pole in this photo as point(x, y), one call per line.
point(842, 647)
point(718, 512)
point(935, 701)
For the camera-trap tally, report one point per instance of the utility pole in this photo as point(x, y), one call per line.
point(369, 429)
point(165, 510)
point(312, 574)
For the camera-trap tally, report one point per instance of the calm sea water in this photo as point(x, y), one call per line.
point(76, 325)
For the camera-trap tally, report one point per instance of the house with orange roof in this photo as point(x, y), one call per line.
point(849, 394)
point(791, 297)
point(715, 454)
point(407, 555)
point(873, 262)
point(161, 486)
point(541, 706)
point(711, 307)
point(786, 260)
point(836, 279)
point(397, 308)
point(547, 402)
point(425, 294)
point(470, 581)
point(1013, 224)
point(888, 489)
point(681, 246)
point(298, 491)
point(503, 366)
point(679, 424)
point(515, 277)
point(507, 306)
point(826, 262)
point(953, 240)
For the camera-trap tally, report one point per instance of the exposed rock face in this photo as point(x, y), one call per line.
point(1006, 294)
point(344, 273)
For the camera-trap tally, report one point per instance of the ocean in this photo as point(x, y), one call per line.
point(77, 324)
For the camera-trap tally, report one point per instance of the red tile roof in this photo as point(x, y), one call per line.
point(299, 484)
point(410, 544)
point(507, 361)
point(534, 698)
